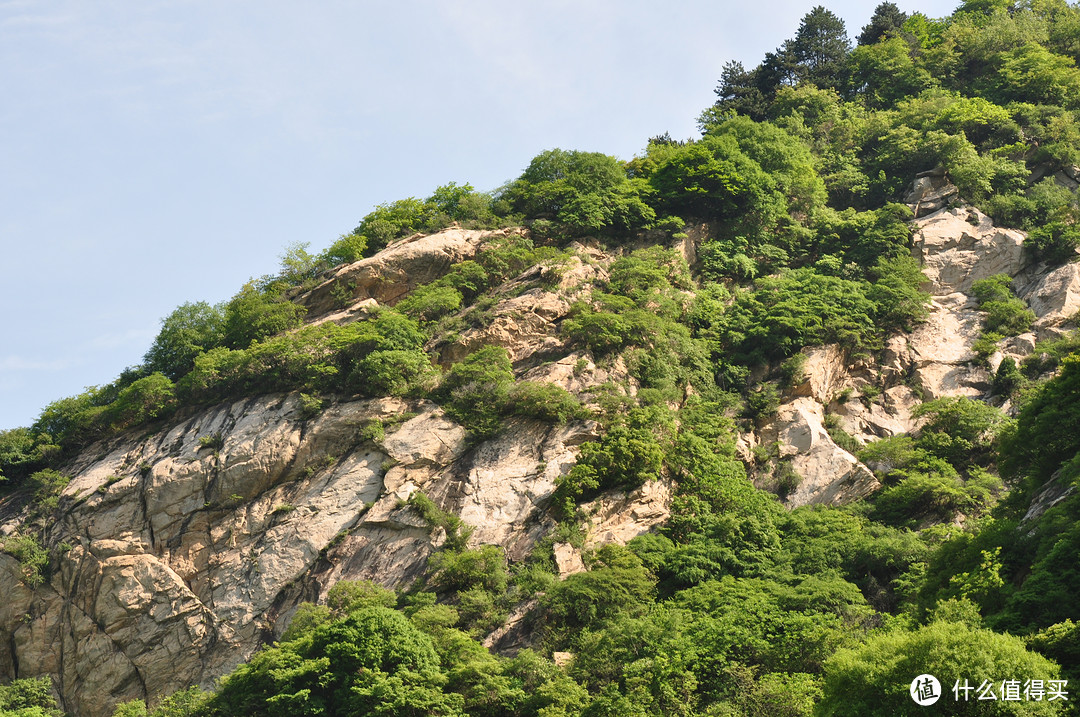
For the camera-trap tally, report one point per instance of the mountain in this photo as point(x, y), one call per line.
point(772, 421)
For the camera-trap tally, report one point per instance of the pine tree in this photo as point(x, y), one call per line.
point(887, 20)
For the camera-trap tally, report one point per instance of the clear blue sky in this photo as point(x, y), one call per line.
point(153, 153)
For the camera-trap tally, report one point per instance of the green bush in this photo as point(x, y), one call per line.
point(457, 570)
point(187, 332)
point(29, 697)
point(617, 582)
point(347, 249)
point(144, 400)
point(32, 557)
point(475, 390)
point(960, 430)
point(393, 373)
point(800, 307)
point(348, 596)
point(933, 497)
point(545, 401)
point(1006, 315)
point(373, 661)
point(624, 457)
point(874, 679)
point(1054, 243)
point(430, 302)
point(584, 191)
point(254, 315)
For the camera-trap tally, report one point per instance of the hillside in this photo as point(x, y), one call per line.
point(771, 421)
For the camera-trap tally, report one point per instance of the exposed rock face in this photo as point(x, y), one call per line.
point(184, 558)
point(931, 192)
point(619, 518)
point(873, 399)
point(525, 325)
point(957, 247)
point(826, 473)
point(396, 270)
point(1055, 299)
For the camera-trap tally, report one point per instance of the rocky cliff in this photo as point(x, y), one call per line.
point(176, 552)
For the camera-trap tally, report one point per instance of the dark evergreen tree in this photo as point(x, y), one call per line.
point(887, 20)
point(740, 93)
point(820, 48)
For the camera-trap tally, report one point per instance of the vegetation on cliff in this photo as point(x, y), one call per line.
point(736, 606)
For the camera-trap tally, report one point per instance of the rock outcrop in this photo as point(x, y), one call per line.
point(180, 552)
point(873, 398)
point(392, 273)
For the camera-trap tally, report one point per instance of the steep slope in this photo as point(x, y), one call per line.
point(178, 552)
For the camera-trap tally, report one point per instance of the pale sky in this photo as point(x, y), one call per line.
point(154, 153)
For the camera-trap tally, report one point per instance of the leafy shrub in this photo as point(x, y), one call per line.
point(457, 532)
point(372, 658)
point(430, 302)
point(253, 315)
point(584, 191)
point(457, 570)
point(624, 457)
point(351, 595)
point(800, 308)
point(1006, 315)
point(1047, 428)
point(29, 697)
point(1049, 354)
point(1007, 378)
point(32, 557)
point(144, 400)
point(393, 373)
point(873, 679)
point(1054, 243)
point(960, 430)
point(187, 332)
point(993, 288)
point(475, 390)
point(617, 582)
point(762, 402)
point(931, 497)
point(47, 485)
point(545, 401)
point(347, 249)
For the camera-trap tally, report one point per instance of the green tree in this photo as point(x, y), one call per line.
point(29, 698)
point(820, 48)
point(475, 390)
point(253, 315)
point(185, 333)
point(874, 679)
point(585, 191)
point(887, 20)
point(148, 398)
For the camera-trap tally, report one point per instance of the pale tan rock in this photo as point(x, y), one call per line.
point(1054, 297)
point(398, 269)
point(828, 474)
point(567, 560)
point(189, 556)
point(888, 415)
point(940, 353)
point(825, 373)
point(618, 517)
point(524, 325)
point(957, 247)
